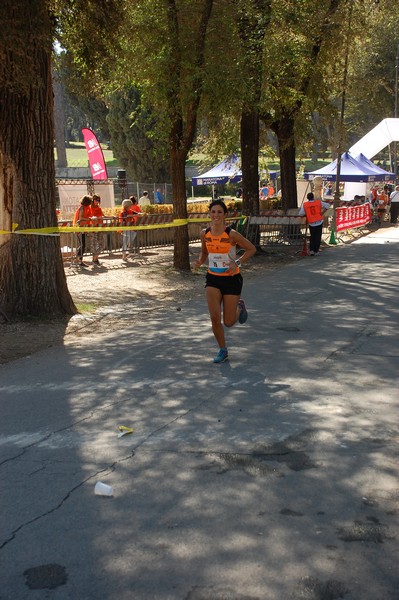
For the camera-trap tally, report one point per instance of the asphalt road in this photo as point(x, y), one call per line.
point(273, 476)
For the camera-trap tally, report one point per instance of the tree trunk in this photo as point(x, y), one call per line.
point(253, 20)
point(284, 130)
point(32, 278)
point(59, 122)
point(249, 133)
point(182, 130)
point(181, 259)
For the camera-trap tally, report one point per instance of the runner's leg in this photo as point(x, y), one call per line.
point(231, 310)
point(214, 300)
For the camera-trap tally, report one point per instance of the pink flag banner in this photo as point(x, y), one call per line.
point(353, 216)
point(95, 154)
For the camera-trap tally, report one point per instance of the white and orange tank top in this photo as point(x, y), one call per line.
point(220, 252)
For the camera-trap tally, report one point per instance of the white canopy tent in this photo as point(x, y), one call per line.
point(377, 139)
point(227, 170)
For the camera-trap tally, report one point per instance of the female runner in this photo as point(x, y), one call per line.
point(223, 279)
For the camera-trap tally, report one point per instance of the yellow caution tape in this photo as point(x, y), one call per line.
point(119, 228)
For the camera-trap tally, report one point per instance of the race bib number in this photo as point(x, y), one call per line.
point(219, 263)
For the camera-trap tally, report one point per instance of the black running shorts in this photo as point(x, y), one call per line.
point(228, 285)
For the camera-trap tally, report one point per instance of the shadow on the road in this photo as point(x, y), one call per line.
point(271, 476)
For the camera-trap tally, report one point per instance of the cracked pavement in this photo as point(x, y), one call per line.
point(272, 476)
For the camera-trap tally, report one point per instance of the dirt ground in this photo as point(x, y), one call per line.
point(115, 293)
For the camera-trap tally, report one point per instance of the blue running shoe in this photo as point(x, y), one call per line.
point(221, 356)
point(243, 312)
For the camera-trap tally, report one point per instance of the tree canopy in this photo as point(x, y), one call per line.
point(172, 65)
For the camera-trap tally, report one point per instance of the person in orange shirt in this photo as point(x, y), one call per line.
point(128, 216)
point(314, 210)
point(82, 218)
point(373, 195)
point(134, 209)
point(382, 201)
point(223, 278)
point(96, 238)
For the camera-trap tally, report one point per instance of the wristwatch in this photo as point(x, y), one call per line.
point(238, 262)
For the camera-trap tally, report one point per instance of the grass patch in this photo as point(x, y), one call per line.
point(86, 307)
point(196, 159)
point(77, 155)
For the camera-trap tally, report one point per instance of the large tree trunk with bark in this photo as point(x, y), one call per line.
point(59, 122)
point(249, 133)
point(181, 259)
point(284, 130)
point(182, 130)
point(32, 278)
point(253, 19)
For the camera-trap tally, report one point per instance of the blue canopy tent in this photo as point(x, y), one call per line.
point(353, 168)
point(228, 171)
point(387, 176)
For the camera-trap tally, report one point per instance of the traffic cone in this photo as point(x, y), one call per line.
point(333, 239)
point(305, 248)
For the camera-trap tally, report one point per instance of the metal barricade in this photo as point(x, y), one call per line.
point(68, 243)
point(112, 239)
point(280, 227)
point(109, 242)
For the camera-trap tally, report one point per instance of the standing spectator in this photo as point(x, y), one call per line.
point(127, 218)
point(264, 192)
point(328, 190)
point(96, 238)
point(373, 195)
point(382, 201)
point(145, 199)
point(158, 197)
point(394, 200)
point(135, 207)
point(82, 218)
point(314, 210)
point(135, 210)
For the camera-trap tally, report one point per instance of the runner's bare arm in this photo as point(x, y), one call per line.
point(204, 252)
point(239, 240)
